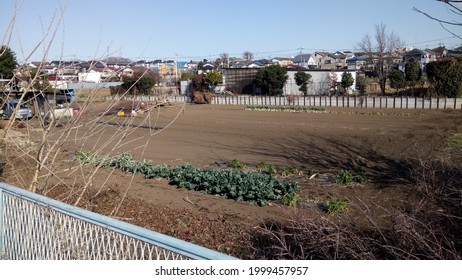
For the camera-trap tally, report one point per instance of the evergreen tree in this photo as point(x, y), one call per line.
point(272, 79)
point(412, 71)
point(7, 62)
point(347, 81)
point(302, 79)
point(397, 79)
point(446, 76)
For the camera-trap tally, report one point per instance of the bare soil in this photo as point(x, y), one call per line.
point(379, 142)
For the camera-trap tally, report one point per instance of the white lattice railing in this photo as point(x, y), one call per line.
point(34, 227)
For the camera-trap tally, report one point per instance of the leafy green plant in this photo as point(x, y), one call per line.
point(272, 169)
point(291, 199)
point(87, 157)
point(286, 171)
point(361, 177)
point(235, 164)
point(263, 166)
point(285, 108)
point(344, 177)
point(232, 184)
point(336, 205)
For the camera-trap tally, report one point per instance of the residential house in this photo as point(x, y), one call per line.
point(207, 67)
point(118, 62)
point(190, 67)
point(328, 62)
point(91, 76)
point(239, 64)
point(440, 52)
point(455, 52)
point(356, 63)
point(283, 61)
point(340, 59)
point(317, 58)
point(305, 60)
point(422, 56)
point(259, 63)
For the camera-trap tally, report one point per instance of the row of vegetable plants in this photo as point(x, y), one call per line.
point(255, 188)
point(285, 108)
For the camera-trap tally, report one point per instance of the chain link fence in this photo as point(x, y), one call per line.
point(34, 227)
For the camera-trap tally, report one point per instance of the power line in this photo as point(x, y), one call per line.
point(436, 40)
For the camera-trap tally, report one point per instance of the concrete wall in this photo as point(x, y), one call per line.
point(321, 80)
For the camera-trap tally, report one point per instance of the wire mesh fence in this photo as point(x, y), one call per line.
point(33, 227)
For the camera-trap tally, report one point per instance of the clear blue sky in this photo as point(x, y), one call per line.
point(151, 29)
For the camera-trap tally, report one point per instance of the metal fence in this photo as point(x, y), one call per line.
point(34, 227)
point(393, 102)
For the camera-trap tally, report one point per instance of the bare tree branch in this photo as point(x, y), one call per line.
point(436, 19)
point(450, 32)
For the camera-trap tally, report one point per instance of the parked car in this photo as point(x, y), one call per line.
point(24, 111)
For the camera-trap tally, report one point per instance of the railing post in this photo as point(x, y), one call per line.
point(1, 224)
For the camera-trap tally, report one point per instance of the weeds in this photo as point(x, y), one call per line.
point(235, 164)
point(290, 199)
point(336, 205)
point(344, 177)
point(419, 234)
point(288, 171)
point(361, 177)
point(455, 141)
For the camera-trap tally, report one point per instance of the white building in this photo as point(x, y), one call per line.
point(90, 77)
point(321, 81)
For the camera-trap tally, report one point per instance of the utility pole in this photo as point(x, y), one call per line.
point(301, 56)
point(176, 67)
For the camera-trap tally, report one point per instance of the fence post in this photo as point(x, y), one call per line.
point(407, 102)
point(336, 97)
point(373, 102)
point(445, 102)
point(438, 102)
point(1, 224)
point(430, 102)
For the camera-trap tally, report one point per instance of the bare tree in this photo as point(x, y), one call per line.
point(247, 56)
point(225, 59)
point(383, 54)
point(455, 6)
point(35, 153)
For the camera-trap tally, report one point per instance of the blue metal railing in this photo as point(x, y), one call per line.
point(34, 227)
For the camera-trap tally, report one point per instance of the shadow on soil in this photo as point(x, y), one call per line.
point(321, 154)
